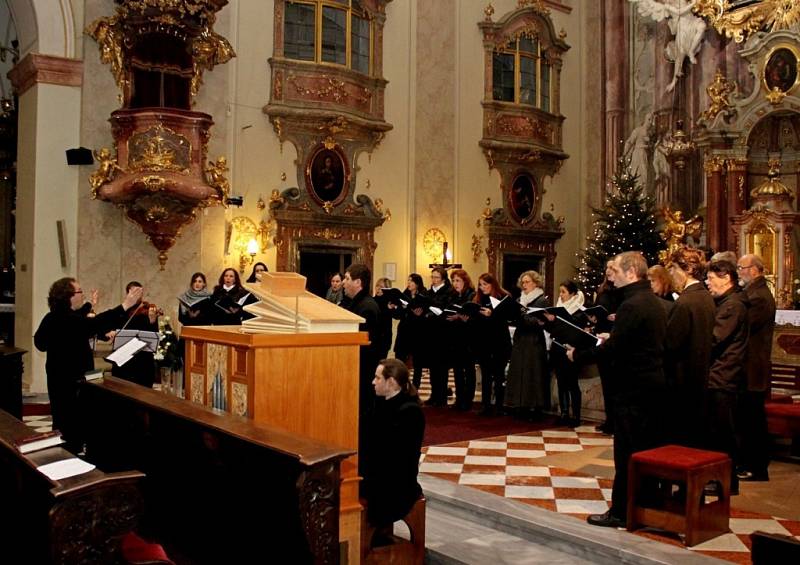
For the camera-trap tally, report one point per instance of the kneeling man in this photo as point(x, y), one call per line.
point(394, 441)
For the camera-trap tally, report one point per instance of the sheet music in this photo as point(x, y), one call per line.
point(123, 354)
point(150, 339)
point(494, 301)
point(65, 468)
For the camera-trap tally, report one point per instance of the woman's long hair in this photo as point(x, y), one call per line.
point(237, 282)
point(497, 290)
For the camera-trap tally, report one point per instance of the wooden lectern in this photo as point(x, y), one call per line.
point(306, 383)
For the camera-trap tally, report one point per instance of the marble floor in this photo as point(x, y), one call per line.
point(570, 471)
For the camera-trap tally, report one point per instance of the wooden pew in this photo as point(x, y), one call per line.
point(219, 488)
point(79, 519)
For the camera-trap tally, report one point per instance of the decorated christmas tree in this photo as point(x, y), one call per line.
point(626, 222)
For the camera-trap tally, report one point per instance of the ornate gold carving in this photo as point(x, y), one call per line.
point(739, 22)
point(159, 149)
point(772, 186)
point(328, 233)
point(387, 215)
point(477, 241)
point(327, 206)
point(208, 49)
point(107, 166)
point(215, 177)
point(740, 194)
point(488, 12)
point(713, 164)
point(277, 86)
point(537, 5)
point(275, 199)
point(718, 92)
point(156, 213)
point(562, 35)
point(775, 96)
point(676, 230)
point(107, 32)
point(525, 126)
point(335, 89)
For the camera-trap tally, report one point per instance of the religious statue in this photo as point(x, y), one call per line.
point(687, 29)
point(107, 33)
point(718, 93)
point(637, 149)
point(215, 177)
point(676, 230)
point(107, 166)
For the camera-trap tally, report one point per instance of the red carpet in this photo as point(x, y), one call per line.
point(445, 425)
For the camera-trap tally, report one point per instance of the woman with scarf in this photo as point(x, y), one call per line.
point(569, 391)
point(528, 390)
point(193, 305)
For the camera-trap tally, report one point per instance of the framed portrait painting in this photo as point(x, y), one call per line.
point(780, 70)
point(522, 197)
point(327, 175)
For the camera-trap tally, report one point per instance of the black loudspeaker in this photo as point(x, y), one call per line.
point(79, 156)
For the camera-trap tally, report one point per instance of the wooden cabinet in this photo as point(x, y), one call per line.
point(304, 383)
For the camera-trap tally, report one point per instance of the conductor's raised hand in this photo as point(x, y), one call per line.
point(133, 297)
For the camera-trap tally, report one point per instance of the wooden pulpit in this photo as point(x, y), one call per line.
point(306, 383)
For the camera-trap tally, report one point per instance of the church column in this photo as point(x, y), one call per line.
point(737, 194)
point(616, 72)
point(716, 216)
point(49, 91)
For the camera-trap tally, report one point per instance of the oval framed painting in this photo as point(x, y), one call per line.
point(522, 197)
point(780, 70)
point(327, 175)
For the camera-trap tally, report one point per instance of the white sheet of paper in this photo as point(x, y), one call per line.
point(435, 310)
point(124, 353)
point(65, 468)
point(494, 301)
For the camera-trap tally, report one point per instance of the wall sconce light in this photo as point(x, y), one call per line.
point(250, 257)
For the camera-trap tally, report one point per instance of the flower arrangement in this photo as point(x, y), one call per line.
point(168, 352)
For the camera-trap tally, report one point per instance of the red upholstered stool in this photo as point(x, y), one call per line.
point(692, 469)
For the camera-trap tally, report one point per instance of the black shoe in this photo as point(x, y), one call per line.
point(607, 520)
point(749, 477)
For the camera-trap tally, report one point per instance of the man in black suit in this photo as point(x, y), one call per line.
point(357, 279)
point(636, 349)
point(761, 323)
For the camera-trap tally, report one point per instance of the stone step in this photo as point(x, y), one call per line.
point(466, 525)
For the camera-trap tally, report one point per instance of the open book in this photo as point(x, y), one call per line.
point(302, 312)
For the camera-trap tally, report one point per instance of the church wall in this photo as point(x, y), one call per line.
point(429, 170)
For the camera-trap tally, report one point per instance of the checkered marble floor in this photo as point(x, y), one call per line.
point(39, 423)
point(511, 466)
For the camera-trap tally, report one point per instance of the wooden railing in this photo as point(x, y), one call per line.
point(219, 488)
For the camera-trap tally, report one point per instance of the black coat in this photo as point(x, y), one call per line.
point(362, 304)
point(410, 338)
point(383, 339)
point(391, 458)
point(729, 343)
point(493, 338)
point(761, 319)
point(234, 317)
point(689, 331)
point(461, 338)
point(636, 344)
point(528, 384)
point(64, 335)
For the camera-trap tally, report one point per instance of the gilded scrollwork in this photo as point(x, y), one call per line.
point(738, 22)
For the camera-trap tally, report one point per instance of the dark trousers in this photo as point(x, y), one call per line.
point(721, 408)
point(636, 428)
point(606, 383)
point(753, 435)
point(464, 376)
point(438, 373)
point(67, 413)
point(569, 391)
point(493, 374)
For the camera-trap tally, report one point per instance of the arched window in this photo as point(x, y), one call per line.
point(521, 74)
point(337, 32)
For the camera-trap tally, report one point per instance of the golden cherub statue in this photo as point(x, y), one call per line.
point(676, 230)
point(107, 166)
point(215, 177)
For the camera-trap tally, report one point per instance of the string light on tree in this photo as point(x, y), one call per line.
point(626, 222)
